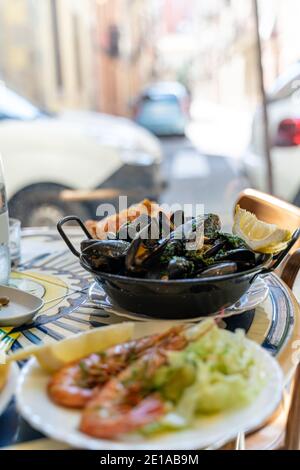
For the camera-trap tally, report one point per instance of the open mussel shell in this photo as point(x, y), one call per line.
point(105, 255)
point(145, 249)
point(191, 233)
point(197, 229)
point(177, 219)
point(164, 225)
point(129, 230)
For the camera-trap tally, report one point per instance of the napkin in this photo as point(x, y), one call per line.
point(7, 338)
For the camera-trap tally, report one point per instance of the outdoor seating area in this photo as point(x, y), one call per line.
point(149, 231)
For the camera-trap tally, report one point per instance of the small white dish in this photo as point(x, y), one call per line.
point(7, 392)
point(21, 308)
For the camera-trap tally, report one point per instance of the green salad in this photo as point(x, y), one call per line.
point(217, 371)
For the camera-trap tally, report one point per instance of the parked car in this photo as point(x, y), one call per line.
point(284, 116)
point(163, 108)
point(46, 154)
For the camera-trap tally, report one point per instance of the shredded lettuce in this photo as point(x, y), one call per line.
point(214, 373)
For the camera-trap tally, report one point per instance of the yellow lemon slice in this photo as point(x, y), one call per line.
point(55, 355)
point(259, 236)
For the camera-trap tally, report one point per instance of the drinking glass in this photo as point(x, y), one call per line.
point(14, 241)
point(4, 264)
point(4, 243)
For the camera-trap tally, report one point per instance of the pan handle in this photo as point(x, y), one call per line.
point(64, 236)
point(280, 257)
point(285, 252)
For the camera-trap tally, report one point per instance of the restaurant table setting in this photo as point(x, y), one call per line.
point(62, 297)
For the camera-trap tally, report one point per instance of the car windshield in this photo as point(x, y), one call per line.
point(13, 106)
point(160, 106)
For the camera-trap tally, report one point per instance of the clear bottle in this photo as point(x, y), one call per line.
point(4, 231)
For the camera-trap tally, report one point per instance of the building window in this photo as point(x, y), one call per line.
point(113, 41)
point(56, 45)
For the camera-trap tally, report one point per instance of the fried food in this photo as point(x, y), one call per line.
point(114, 222)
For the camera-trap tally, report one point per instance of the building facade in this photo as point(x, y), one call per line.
point(123, 41)
point(89, 54)
point(46, 51)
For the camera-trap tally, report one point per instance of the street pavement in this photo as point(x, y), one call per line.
point(197, 178)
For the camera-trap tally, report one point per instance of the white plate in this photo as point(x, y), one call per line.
point(62, 424)
point(257, 293)
point(9, 389)
point(21, 308)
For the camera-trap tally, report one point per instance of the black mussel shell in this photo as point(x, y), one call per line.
point(191, 232)
point(128, 231)
point(218, 246)
point(106, 255)
point(195, 229)
point(172, 248)
point(141, 255)
point(177, 219)
point(240, 255)
point(123, 233)
point(219, 269)
point(179, 268)
point(145, 249)
point(165, 227)
point(156, 273)
point(87, 243)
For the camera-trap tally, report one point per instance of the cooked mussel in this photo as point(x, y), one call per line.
point(172, 248)
point(164, 224)
point(219, 269)
point(87, 243)
point(197, 229)
point(177, 219)
point(179, 268)
point(105, 255)
point(214, 249)
point(240, 255)
point(129, 230)
point(145, 249)
point(191, 233)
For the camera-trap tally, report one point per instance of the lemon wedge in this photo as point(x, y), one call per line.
point(53, 356)
point(259, 236)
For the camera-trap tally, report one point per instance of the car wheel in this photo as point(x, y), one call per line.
point(39, 206)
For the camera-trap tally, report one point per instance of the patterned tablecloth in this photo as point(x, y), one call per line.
point(50, 271)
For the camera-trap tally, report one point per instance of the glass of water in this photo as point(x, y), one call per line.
point(15, 241)
point(4, 232)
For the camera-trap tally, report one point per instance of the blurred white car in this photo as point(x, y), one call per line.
point(45, 154)
point(284, 116)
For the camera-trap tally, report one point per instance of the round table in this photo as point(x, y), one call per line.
point(50, 271)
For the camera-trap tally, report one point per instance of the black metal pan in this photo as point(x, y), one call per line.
point(176, 299)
